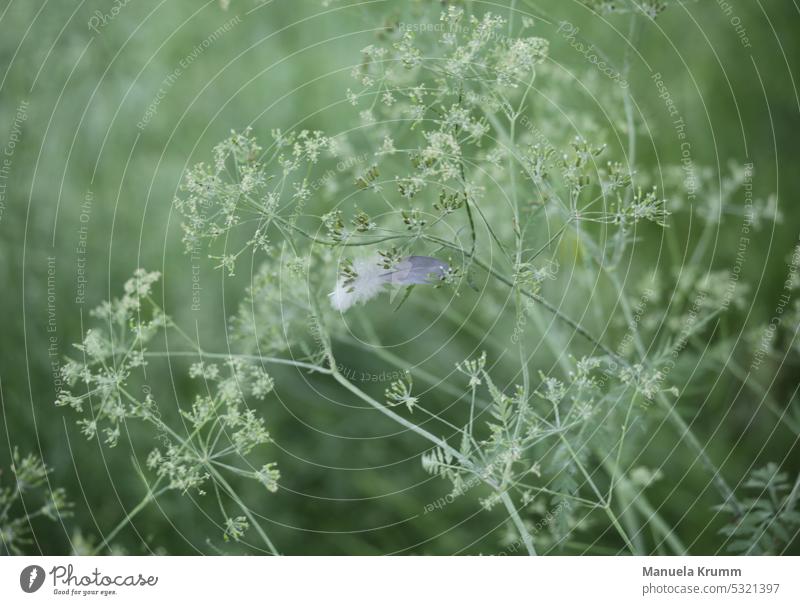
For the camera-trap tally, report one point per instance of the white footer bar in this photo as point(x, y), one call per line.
point(390, 580)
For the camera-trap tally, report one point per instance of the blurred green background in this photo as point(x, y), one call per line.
point(282, 65)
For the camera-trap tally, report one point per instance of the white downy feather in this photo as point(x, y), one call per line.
point(369, 282)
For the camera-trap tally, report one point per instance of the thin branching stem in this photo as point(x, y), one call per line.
point(465, 462)
point(259, 358)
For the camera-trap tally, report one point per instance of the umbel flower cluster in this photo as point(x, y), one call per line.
point(215, 434)
point(482, 194)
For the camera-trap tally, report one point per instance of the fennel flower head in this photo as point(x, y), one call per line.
point(362, 279)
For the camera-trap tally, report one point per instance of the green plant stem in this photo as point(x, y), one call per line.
point(675, 418)
point(402, 421)
point(628, 95)
point(615, 468)
point(261, 358)
point(762, 391)
point(686, 433)
point(583, 470)
point(533, 296)
point(416, 370)
point(651, 516)
point(606, 505)
point(527, 540)
point(621, 530)
point(245, 509)
point(793, 495)
point(129, 515)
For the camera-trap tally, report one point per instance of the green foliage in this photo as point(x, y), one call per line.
point(770, 519)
